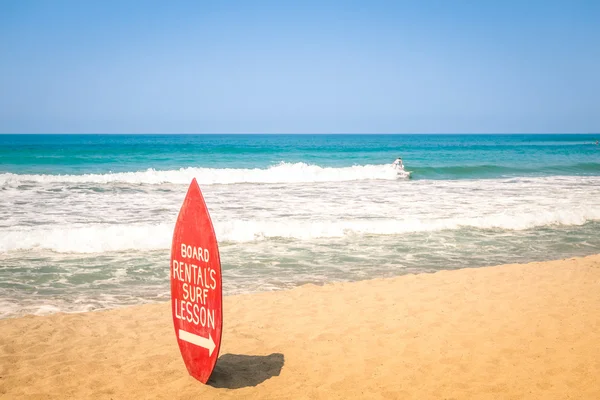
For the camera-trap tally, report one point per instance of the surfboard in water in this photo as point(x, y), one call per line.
point(196, 286)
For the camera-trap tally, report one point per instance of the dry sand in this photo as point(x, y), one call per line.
point(509, 332)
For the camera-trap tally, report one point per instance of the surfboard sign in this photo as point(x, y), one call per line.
point(196, 286)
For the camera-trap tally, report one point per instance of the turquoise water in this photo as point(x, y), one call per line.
point(428, 156)
point(86, 220)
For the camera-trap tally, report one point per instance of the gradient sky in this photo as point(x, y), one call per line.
point(313, 67)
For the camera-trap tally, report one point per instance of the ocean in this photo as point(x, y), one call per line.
point(86, 221)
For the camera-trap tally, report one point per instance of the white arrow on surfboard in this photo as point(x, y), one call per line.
point(208, 344)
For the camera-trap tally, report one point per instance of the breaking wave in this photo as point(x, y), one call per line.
point(100, 238)
point(285, 172)
point(280, 173)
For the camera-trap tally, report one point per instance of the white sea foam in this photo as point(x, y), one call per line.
point(280, 173)
point(86, 238)
point(109, 238)
point(331, 230)
point(61, 219)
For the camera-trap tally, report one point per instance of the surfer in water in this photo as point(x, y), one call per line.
point(398, 164)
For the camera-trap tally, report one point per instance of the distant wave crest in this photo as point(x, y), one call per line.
point(286, 172)
point(281, 173)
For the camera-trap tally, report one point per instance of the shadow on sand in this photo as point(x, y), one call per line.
point(235, 371)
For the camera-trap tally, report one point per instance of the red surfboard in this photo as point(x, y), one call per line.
point(196, 287)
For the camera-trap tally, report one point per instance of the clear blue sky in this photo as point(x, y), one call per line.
point(314, 67)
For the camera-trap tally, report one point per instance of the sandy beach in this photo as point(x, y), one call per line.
point(512, 332)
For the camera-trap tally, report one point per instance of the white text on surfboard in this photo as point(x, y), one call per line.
point(194, 252)
point(194, 274)
point(194, 313)
point(197, 281)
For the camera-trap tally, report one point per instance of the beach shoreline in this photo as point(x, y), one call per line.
point(510, 331)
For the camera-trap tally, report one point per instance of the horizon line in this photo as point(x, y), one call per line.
point(300, 133)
